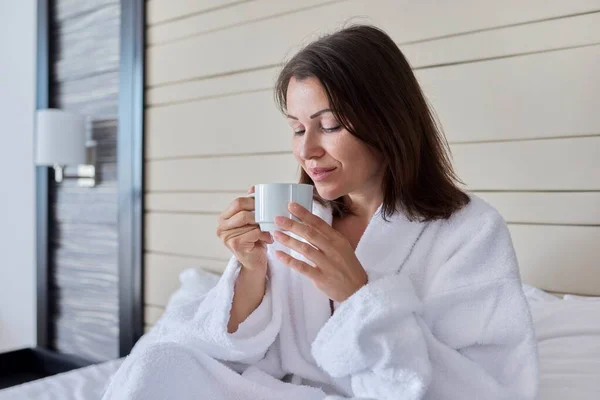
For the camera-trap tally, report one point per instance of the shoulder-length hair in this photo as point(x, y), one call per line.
point(374, 94)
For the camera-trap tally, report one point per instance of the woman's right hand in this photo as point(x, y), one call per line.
point(239, 231)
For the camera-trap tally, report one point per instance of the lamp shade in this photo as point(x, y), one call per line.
point(60, 138)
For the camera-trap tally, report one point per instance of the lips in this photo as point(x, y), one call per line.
point(319, 174)
point(320, 170)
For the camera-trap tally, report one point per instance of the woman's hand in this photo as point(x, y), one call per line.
point(337, 271)
point(239, 231)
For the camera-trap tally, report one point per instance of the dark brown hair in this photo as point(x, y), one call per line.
point(374, 94)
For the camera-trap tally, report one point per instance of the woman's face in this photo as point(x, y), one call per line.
point(338, 162)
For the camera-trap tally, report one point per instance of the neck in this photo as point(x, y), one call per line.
point(364, 203)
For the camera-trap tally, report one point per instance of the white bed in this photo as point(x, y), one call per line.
point(82, 384)
point(567, 328)
point(568, 336)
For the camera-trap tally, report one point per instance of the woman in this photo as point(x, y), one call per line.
point(415, 290)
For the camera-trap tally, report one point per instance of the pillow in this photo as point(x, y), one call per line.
point(534, 294)
point(580, 298)
point(568, 336)
point(195, 284)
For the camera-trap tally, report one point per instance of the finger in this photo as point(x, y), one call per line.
point(308, 251)
point(237, 205)
point(244, 240)
point(310, 233)
point(251, 190)
point(311, 272)
point(258, 237)
point(252, 234)
point(311, 219)
point(234, 233)
point(266, 237)
point(238, 220)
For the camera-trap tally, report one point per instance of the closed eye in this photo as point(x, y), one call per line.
point(330, 130)
point(326, 130)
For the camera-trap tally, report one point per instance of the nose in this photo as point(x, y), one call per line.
point(310, 145)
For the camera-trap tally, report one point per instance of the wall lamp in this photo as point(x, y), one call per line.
point(62, 139)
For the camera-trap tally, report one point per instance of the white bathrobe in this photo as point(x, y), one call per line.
point(442, 317)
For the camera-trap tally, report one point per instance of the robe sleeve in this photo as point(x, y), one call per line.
point(468, 338)
point(254, 336)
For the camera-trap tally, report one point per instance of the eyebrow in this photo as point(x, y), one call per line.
point(315, 115)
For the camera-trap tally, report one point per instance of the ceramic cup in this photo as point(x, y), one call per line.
point(272, 199)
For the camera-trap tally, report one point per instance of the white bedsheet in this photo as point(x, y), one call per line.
point(89, 383)
point(556, 321)
point(81, 384)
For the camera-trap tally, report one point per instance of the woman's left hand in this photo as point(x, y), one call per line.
point(337, 271)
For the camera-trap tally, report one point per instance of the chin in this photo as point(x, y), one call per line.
point(327, 192)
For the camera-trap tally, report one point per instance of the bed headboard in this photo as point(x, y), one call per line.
point(511, 84)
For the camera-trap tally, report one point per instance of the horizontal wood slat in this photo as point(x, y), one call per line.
point(553, 164)
point(152, 314)
point(214, 203)
point(249, 81)
point(580, 30)
point(224, 51)
point(570, 208)
point(226, 17)
point(186, 235)
point(575, 208)
point(246, 123)
point(162, 272)
point(545, 253)
point(160, 11)
point(535, 96)
point(559, 258)
point(236, 173)
point(571, 164)
point(514, 40)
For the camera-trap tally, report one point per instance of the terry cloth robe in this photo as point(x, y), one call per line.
point(442, 317)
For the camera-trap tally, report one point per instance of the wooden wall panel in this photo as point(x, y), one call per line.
point(564, 208)
point(545, 252)
point(184, 234)
point(162, 274)
point(559, 258)
point(549, 164)
point(227, 51)
point(246, 123)
point(552, 164)
point(244, 82)
point(506, 111)
point(161, 11)
point(207, 203)
point(225, 17)
point(235, 173)
point(510, 82)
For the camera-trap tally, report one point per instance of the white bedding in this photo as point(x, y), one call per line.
point(568, 336)
point(81, 384)
point(567, 331)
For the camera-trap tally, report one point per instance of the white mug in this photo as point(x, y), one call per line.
point(272, 199)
